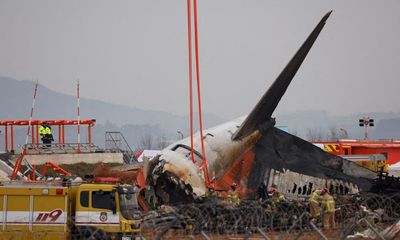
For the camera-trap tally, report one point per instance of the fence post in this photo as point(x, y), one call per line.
point(263, 233)
point(318, 230)
point(372, 228)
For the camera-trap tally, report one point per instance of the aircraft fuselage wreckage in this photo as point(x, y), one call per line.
point(250, 150)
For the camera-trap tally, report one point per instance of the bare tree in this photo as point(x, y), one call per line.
point(161, 143)
point(313, 134)
point(344, 133)
point(294, 132)
point(146, 142)
point(333, 134)
point(149, 141)
point(336, 134)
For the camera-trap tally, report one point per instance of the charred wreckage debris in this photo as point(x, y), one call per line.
point(211, 216)
point(250, 151)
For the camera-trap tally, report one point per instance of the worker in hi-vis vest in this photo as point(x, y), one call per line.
point(328, 205)
point(315, 204)
point(233, 196)
point(45, 133)
point(275, 195)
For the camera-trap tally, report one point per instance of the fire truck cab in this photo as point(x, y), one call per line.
point(55, 211)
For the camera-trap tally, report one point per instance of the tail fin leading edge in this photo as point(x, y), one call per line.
point(267, 104)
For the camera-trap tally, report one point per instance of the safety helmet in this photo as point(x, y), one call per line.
point(271, 189)
point(325, 190)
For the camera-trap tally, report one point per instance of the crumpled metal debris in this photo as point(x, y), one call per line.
point(213, 217)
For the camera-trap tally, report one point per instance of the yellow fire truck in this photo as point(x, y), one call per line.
point(40, 210)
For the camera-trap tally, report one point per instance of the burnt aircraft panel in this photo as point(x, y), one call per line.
point(280, 150)
point(298, 186)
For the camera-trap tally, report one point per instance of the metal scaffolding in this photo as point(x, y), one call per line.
point(9, 125)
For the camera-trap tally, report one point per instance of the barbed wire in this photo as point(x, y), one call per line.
point(355, 213)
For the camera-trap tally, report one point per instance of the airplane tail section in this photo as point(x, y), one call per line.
point(280, 150)
point(266, 106)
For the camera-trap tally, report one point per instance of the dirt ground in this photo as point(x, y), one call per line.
point(272, 235)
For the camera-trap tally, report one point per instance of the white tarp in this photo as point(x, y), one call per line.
point(149, 154)
point(394, 169)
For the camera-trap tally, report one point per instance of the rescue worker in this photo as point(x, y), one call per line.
point(233, 197)
point(46, 133)
point(382, 166)
point(213, 193)
point(262, 192)
point(328, 205)
point(315, 204)
point(42, 132)
point(276, 196)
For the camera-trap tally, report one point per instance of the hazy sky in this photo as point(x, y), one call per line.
point(135, 52)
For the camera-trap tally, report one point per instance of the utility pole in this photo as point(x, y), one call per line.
point(366, 122)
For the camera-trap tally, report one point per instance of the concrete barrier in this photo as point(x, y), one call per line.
point(89, 158)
